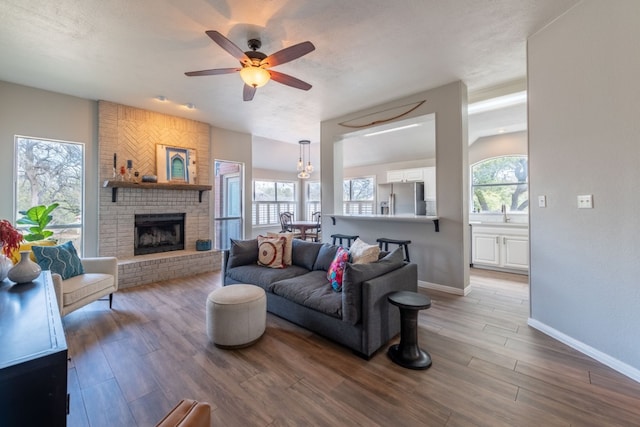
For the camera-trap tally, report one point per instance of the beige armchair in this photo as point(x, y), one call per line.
point(100, 278)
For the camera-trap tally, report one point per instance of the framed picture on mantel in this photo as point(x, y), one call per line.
point(176, 164)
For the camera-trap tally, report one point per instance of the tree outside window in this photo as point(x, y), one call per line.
point(500, 181)
point(359, 195)
point(49, 172)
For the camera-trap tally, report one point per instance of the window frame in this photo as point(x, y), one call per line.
point(312, 205)
point(362, 206)
point(272, 208)
point(56, 228)
point(472, 186)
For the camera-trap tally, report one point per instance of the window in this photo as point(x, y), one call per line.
point(270, 198)
point(359, 196)
point(500, 181)
point(313, 199)
point(52, 172)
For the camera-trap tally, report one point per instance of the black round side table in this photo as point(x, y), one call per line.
point(407, 354)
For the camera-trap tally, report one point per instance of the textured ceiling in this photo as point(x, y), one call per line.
point(367, 52)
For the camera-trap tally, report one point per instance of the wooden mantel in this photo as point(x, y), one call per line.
point(114, 185)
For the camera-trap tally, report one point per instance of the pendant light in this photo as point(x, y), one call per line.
point(304, 172)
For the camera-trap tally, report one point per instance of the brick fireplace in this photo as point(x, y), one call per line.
point(132, 134)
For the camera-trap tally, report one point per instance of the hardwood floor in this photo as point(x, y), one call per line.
point(131, 365)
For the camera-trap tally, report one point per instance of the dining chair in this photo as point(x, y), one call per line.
point(315, 233)
point(286, 220)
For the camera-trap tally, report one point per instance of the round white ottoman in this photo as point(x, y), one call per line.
point(236, 315)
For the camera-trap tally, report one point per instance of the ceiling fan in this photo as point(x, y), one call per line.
point(255, 66)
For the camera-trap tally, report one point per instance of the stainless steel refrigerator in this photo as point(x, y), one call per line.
point(408, 198)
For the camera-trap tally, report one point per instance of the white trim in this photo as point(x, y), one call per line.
point(601, 357)
point(443, 288)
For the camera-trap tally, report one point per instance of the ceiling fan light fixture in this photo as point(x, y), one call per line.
point(254, 76)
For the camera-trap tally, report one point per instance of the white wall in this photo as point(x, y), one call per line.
point(498, 145)
point(584, 138)
point(446, 260)
point(37, 113)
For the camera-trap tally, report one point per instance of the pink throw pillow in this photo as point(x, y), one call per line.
point(336, 269)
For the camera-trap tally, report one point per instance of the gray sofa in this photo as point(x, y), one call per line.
point(359, 317)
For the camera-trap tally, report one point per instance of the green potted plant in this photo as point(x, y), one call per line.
point(37, 218)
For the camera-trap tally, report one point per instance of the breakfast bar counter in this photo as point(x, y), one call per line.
point(387, 218)
point(421, 230)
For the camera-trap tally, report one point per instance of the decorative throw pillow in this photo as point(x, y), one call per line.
point(288, 247)
point(271, 251)
point(242, 252)
point(362, 253)
point(62, 259)
point(336, 269)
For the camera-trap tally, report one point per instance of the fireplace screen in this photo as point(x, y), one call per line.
point(158, 233)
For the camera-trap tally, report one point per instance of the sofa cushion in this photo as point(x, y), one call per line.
point(262, 276)
point(62, 259)
point(271, 251)
point(311, 290)
point(336, 269)
point(304, 253)
point(362, 253)
point(288, 247)
point(325, 257)
point(355, 274)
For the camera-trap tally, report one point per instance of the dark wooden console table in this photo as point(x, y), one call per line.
point(33, 355)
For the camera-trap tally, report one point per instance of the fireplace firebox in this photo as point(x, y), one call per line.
point(156, 233)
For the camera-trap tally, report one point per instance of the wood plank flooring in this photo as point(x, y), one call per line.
point(131, 365)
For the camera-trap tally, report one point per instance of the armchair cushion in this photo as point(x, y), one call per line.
point(99, 279)
point(84, 285)
point(62, 259)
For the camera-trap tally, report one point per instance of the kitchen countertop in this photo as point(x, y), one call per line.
point(500, 224)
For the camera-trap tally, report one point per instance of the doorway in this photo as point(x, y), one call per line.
point(228, 221)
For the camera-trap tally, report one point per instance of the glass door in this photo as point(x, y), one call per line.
point(228, 223)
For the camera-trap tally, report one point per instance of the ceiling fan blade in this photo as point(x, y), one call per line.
point(288, 54)
point(288, 80)
point(229, 46)
point(213, 72)
point(248, 92)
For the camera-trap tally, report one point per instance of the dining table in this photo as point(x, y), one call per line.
point(304, 226)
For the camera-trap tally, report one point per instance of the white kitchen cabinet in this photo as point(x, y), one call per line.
point(405, 175)
point(502, 248)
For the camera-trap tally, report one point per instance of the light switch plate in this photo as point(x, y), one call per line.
point(585, 201)
point(542, 201)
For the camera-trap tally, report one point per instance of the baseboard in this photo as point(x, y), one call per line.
point(601, 357)
point(442, 288)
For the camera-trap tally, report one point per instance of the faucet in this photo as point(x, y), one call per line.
point(505, 218)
